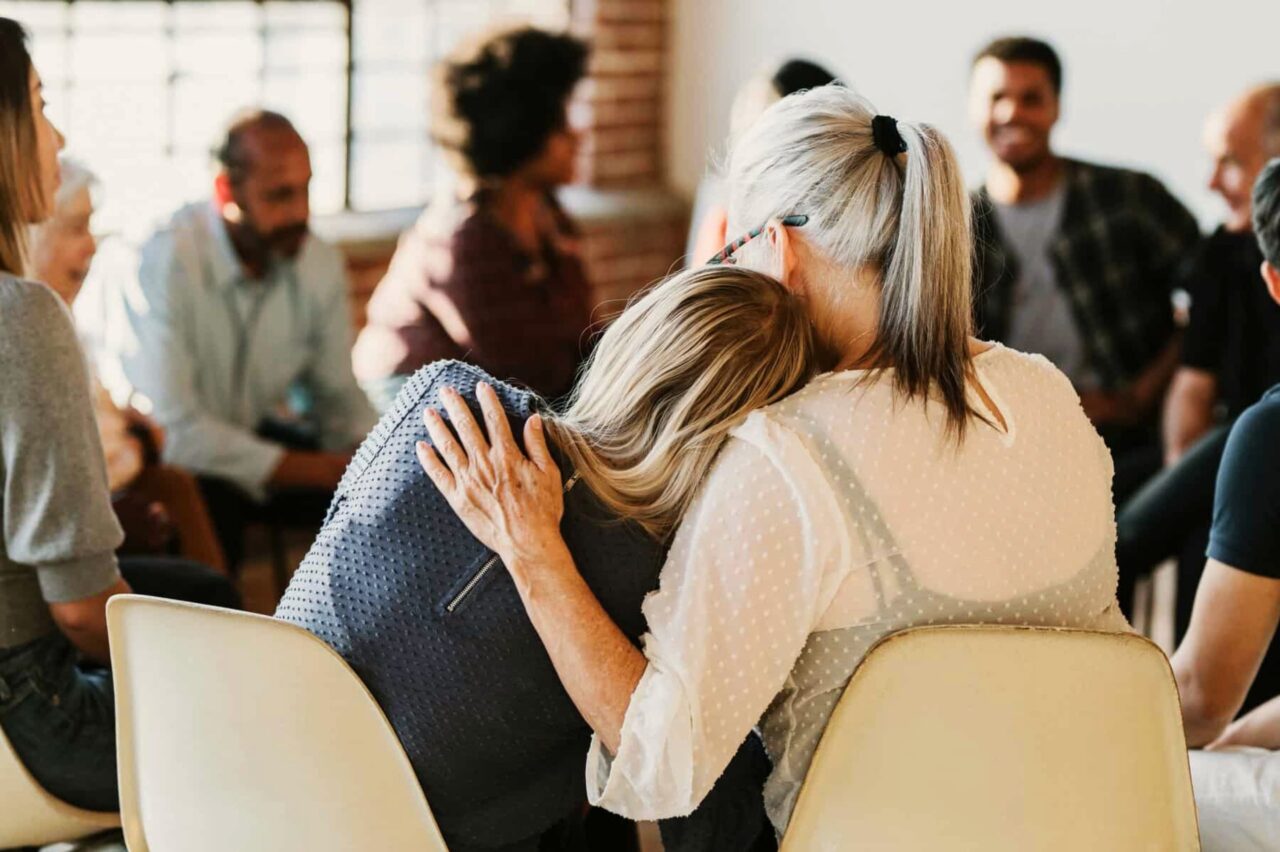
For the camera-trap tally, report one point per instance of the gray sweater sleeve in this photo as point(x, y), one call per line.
point(57, 511)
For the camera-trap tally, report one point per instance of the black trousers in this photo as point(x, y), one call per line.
point(232, 511)
point(58, 711)
point(178, 580)
point(1169, 518)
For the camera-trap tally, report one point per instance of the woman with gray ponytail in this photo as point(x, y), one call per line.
point(926, 478)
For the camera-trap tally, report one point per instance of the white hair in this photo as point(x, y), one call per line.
point(906, 217)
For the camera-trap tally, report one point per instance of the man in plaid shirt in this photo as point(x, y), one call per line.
point(1075, 261)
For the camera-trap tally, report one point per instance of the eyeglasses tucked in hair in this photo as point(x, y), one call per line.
point(725, 254)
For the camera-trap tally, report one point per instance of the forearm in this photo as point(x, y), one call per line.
point(1188, 412)
point(597, 664)
point(1210, 697)
point(207, 446)
point(1183, 426)
point(1260, 728)
point(1150, 385)
point(1203, 719)
point(84, 622)
point(306, 469)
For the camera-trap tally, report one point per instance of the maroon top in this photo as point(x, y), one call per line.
point(460, 286)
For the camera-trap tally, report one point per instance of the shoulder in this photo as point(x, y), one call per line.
point(177, 241)
point(472, 228)
point(36, 330)
point(29, 310)
point(1260, 423)
point(423, 387)
point(1030, 374)
point(453, 229)
point(188, 224)
point(1029, 363)
point(1121, 182)
point(1101, 175)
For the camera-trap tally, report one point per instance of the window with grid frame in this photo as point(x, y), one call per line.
point(141, 89)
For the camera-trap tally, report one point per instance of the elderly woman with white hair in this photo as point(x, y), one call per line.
point(926, 478)
point(154, 502)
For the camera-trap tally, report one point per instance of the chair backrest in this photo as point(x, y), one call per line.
point(1002, 738)
point(29, 816)
point(238, 731)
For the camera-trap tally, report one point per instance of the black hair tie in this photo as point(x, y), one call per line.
point(884, 130)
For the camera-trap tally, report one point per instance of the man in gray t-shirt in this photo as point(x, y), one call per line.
point(1074, 260)
point(1041, 319)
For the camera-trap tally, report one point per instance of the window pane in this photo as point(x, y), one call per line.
point(211, 52)
point(203, 105)
point(49, 53)
point(133, 55)
point(392, 32)
point(460, 19)
point(220, 15)
point(552, 16)
point(119, 117)
point(102, 15)
point(391, 100)
point(315, 102)
point(324, 16)
point(387, 174)
point(328, 169)
point(37, 15)
point(296, 50)
point(142, 88)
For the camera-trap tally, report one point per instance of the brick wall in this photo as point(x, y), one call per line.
point(621, 104)
point(633, 229)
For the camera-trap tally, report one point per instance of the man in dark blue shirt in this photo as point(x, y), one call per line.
point(1237, 605)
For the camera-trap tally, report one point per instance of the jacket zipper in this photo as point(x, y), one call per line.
point(489, 563)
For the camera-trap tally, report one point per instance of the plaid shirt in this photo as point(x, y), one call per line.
point(1121, 242)
point(461, 287)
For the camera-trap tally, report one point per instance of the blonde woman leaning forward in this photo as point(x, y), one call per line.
point(930, 478)
point(433, 625)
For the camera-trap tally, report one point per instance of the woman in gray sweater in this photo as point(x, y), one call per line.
point(57, 551)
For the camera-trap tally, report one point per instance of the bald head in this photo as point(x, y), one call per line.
point(264, 185)
point(250, 135)
point(1241, 137)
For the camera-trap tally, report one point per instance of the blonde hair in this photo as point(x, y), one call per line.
point(19, 170)
point(672, 375)
point(905, 216)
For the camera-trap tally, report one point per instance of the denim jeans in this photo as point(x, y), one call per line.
point(60, 719)
point(59, 712)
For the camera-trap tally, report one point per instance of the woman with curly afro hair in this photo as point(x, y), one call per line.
point(490, 273)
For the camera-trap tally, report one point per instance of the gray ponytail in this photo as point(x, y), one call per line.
point(905, 216)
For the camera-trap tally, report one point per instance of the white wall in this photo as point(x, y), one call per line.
point(1140, 74)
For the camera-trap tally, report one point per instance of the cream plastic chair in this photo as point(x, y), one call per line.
point(238, 731)
point(29, 816)
point(1002, 738)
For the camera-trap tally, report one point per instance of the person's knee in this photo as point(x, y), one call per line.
point(210, 587)
point(180, 580)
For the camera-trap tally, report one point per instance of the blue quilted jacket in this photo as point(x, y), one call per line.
point(431, 621)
